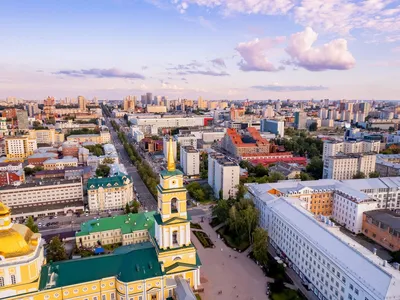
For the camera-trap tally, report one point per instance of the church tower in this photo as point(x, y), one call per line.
point(173, 230)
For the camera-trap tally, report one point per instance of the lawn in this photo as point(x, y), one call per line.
point(287, 294)
point(195, 226)
point(204, 239)
point(232, 242)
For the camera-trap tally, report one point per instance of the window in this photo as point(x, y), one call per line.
point(103, 297)
point(351, 286)
point(356, 291)
point(112, 296)
point(95, 298)
point(13, 280)
point(1, 281)
point(350, 297)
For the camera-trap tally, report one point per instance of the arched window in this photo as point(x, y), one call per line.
point(175, 237)
point(1, 281)
point(13, 280)
point(174, 207)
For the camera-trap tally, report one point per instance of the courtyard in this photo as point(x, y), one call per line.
point(226, 270)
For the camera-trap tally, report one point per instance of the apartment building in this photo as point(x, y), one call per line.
point(383, 226)
point(328, 261)
point(186, 140)
point(37, 159)
point(332, 148)
point(223, 175)
point(43, 198)
point(273, 126)
point(151, 124)
point(388, 165)
point(126, 229)
point(19, 147)
point(10, 166)
point(47, 136)
point(11, 177)
point(60, 164)
point(190, 161)
point(345, 166)
point(109, 193)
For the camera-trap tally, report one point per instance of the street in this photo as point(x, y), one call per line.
point(144, 196)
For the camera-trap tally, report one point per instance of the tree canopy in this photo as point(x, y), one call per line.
point(102, 171)
point(359, 175)
point(260, 245)
point(55, 250)
point(30, 223)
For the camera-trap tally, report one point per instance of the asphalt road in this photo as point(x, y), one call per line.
point(145, 198)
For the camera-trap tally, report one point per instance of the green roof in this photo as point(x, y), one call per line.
point(138, 264)
point(107, 182)
point(127, 223)
point(166, 173)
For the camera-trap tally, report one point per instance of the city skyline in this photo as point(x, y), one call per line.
point(214, 49)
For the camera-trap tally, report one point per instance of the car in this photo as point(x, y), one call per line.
point(40, 224)
point(55, 217)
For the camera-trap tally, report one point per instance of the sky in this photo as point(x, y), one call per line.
point(216, 49)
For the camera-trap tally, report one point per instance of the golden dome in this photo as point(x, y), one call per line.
point(16, 241)
point(4, 210)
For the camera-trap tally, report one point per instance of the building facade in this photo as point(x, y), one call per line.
point(59, 164)
point(332, 148)
point(109, 193)
point(19, 147)
point(223, 175)
point(273, 126)
point(346, 166)
point(190, 161)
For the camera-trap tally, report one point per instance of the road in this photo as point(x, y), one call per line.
point(145, 198)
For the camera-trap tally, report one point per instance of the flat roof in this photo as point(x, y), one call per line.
point(386, 217)
point(37, 208)
point(358, 262)
point(39, 184)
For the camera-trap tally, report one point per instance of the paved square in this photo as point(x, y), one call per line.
point(222, 271)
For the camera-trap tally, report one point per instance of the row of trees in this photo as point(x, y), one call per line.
point(31, 171)
point(83, 131)
point(200, 192)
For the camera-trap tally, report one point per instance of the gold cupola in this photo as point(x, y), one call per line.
point(170, 156)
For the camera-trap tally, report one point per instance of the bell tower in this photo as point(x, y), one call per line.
point(172, 226)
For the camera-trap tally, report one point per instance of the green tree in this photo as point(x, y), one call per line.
point(108, 160)
point(30, 223)
point(241, 191)
point(275, 177)
point(221, 211)
point(304, 176)
point(359, 175)
point(277, 286)
point(102, 171)
point(221, 195)
point(315, 167)
point(249, 218)
point(55, 250)
point(260, 245)
point(135, 207)
point(127, 208)
point(374, 174)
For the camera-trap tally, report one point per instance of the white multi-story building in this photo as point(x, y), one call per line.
point(47, 136)
point(223, 175)
point(273, 126)
point(137, 134)
point(332, 148)
point(190, 160)
point(60, 164)
point(10, 167)
point(43, 198)
point(109, 193)
point(345, 166)
point(332, 264)
point(186, 140)
point(152, 123)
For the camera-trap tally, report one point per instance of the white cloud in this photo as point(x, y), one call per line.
point(330, 56)
point(253, 54)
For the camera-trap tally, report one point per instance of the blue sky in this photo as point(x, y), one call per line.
point(217, 49)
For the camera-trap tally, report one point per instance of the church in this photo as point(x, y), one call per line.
point(163, 266)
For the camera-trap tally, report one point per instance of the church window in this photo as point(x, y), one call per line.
point(153, 297)
point(175, 237)
point(1, 281)
point(13, 280)
point(174, 207)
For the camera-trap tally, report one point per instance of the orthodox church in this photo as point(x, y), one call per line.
point(164, 266)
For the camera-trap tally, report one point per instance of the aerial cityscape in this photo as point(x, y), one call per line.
point(185, 150)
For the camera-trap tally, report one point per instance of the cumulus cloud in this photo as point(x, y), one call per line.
point(330, 56)
point(100, 73)
point(289, 88)
point(253, 54)
point(218, 62)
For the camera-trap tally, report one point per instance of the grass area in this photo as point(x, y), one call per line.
point(195, 226)
point(204, 239)
point(232, 242)
point(287, 294)
point(214, 222)
point(198, 297)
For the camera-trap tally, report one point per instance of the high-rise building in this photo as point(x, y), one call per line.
point(32, 108)
point(273, 126)
point(268, 112)
point(223, 175)
point(332, 148)
point(202, 104)
point(19, 147)
point(346, 166)
point(82, 103)
point(190, 161)
point(149, 98)
point(300, 120)
point(22, 119)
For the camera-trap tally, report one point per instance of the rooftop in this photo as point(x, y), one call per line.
point(387, 217)
point(65, 159)
point(126, 223)
point(108, 182)
point(40, 184)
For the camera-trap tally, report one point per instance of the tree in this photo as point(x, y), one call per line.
point(277, 286)
point(221, 211)
point(359, 175)
point(56, 250)
point(102, 171)
point(135, 207)
point(374, 174)
point(221, 195)
point(275, 177)
point(260, 246)
point(305, 176)
point(30, 223)
point(249, 217)
point(108, 160)
point(127, 208)
point(315, 167)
